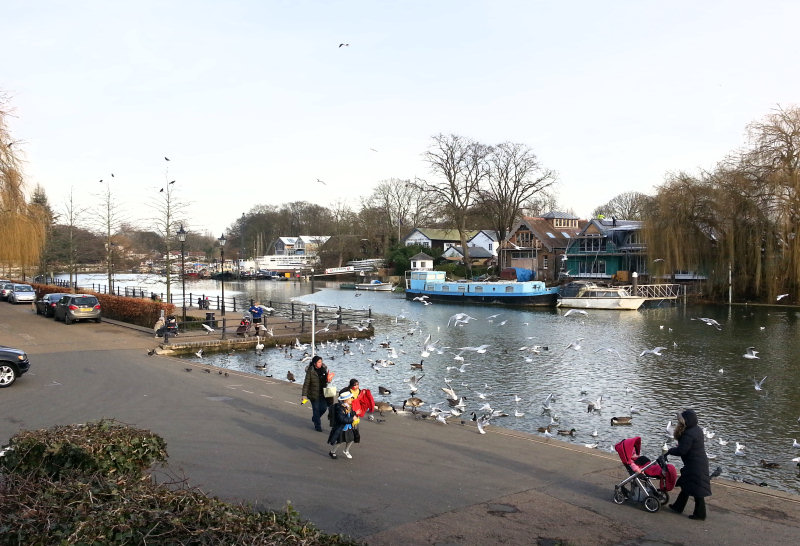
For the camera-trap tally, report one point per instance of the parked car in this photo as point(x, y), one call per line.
point(13, 363)
point(5, 288)
point(46, 305)
point(72, 307)
point(22, 293)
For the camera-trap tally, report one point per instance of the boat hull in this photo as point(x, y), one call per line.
point(375, 287)
point(543, 299)
point(631, 303)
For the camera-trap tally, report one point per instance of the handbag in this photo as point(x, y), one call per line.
point(330, 392)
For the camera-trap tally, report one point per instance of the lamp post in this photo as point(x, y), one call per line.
point(312, 280)
point(222, 242)
point(182, 238)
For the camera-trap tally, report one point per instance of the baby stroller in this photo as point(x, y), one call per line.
point(649, 481)
point(170, 327)
point(244, 326)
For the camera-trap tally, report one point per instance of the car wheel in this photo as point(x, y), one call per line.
point(67, 320)
point(7, 375)
point(97, 320)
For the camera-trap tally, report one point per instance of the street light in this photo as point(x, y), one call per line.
point(222, 242)
point(312, 280)
point(182, 238)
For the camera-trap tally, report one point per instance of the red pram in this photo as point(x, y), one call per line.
point(244, 327)
point(642, 473)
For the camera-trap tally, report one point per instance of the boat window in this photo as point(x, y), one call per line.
point(478, 289)
point(509, 288)
point(462, 288)
point(445, 288)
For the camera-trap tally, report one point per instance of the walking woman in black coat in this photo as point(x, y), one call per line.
point(694, 480)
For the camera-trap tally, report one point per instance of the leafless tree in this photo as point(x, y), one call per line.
point(405, 205)
point(169, 211)
point(625, 206)
point(459, 166)
point(515, 176)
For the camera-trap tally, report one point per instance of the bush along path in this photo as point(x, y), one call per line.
point(90, 484)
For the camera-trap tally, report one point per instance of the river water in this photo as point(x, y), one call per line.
point(702, 367)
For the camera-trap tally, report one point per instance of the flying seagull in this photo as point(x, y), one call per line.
point(654, 351)
point(345, 45)
point(166, 158)
point(751, 353)
point(779, 298)
point(757, 384)
point(172, 182)
point(321, 182)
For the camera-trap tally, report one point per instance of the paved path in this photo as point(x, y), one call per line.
point(242, 437)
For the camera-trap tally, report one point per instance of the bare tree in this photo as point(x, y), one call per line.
point(109, 219)
point(515, 176)
point(625, 206)
point(70, 216)
point(460, 166)
point(403, 202)
point(169, 209)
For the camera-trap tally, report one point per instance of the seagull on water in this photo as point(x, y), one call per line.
point(739, 450)
point(795, 443)
point(576, 345)
point(581, 311)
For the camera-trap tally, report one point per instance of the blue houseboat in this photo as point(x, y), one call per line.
point(422, 282)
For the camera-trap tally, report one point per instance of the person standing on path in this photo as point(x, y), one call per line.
point(342, 422)
point(694, 480)
point(256, 311)
point(315, 382)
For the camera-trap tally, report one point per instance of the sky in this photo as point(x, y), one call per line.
point(254, 101)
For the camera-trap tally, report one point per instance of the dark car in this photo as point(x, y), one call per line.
point(46, 305)
point(13, 363)
point(5, 289)
point(72, 307)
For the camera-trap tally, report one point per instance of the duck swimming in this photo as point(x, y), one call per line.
point(570, 432)
point(617, 421)
point(766, 464)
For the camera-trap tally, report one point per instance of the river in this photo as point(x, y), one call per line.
point(702, 367)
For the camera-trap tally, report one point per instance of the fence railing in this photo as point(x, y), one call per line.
point(657, 291)
point(328, 317)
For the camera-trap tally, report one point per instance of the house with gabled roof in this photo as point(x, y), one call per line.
point(607, 248)
point(486, 239)
point(304, 245)
point(539, 243)
point(436, 238)
point(477, 255)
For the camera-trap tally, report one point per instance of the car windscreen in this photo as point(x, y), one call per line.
point(86, 302)
point(23, 288)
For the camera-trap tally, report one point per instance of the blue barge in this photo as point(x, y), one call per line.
point(433, 286)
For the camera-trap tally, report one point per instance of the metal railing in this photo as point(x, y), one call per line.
point(657, 291)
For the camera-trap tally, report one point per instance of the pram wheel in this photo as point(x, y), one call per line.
point(620, 495)
point(651, 504)
point(663, 497)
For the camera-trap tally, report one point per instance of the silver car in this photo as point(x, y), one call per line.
point(5, 289)
point(74, 307)
point(21, 293)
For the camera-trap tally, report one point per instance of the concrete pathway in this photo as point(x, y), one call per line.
point(410, 481)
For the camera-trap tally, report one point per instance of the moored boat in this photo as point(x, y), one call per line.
point(433, 286)
point(588, 295)
point(375, 285)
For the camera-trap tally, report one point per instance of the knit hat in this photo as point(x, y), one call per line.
point(345, 396)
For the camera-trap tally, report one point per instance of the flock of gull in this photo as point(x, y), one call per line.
point(412, 370)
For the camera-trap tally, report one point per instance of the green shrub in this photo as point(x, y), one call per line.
point(87, 484)
point(105, 446)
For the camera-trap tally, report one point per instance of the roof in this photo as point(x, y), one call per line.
point(314, 239)
point(444, 234)
point(421, 256)
point(552, 238)
point(475, 252)
point(561, 215)
point(490, 233)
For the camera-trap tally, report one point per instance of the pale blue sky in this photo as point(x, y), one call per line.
point(253, 101)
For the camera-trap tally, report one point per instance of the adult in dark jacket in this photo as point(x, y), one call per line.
point(694, 480)
point(316, 380)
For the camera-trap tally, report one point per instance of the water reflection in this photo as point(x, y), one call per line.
point(701, 367)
